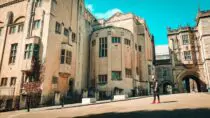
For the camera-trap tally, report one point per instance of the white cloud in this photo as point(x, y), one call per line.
point(161, 50)
point(107, 14)
point(90, 7)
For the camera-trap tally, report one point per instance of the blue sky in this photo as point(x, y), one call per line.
point(158, 13)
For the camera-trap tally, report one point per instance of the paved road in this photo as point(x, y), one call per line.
point(195, 105)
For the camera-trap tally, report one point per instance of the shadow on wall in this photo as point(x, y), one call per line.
point(181, 113)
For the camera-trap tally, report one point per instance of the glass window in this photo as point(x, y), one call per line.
point(28, 51)
point(4, 82)
point(66, 32)
point(128, 73)
point(13, 52)
point(102, 79)
point(36, 24)
point(73, 37)
point(187, 55)
point(13, 81)
point(116, 75)
point(185, 39)
point(115, 39)
point(62, 56)
point(127, 42)
point(103, 47)
point(68, 57)
point(136, 46)
point(57, 28)
point(12, 29)
point(54, 4)
point(20, 27)
point(38, 3)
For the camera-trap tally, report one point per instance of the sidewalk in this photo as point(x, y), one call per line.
point(74, 105)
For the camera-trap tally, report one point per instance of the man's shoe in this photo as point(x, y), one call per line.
point(153, 102)
point(158, 102)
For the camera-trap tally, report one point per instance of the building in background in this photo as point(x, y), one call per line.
point(47, 48)
point(163, 69)
point(121, 56)
point(189, 49)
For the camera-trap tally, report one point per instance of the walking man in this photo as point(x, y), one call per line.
point(155, 91)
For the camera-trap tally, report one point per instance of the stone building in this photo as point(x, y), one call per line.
point(46, 51)
point(43, 48)
point(121, 56)
point(163, 69)
point(189, 49)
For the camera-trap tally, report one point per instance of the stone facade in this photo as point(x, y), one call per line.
point(190, 56)
point(45, 52)
point(129, 56)
point(163, 70)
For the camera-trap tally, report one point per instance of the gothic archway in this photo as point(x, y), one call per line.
point(190, 81)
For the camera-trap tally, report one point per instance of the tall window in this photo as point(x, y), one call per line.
point(38, 3)
point(73, 37)
point(20, 27)
point(66, 32)
point(57, 28)
point(115, 39)
point(13, 52)
point(102, 79)
point(12, 29)
point(62, 56)
point(116, 75)
point(28, 51)
point(36, 24)
point(136, 46)
point(54, 4)
point(187, 55)
point(66, 57)
point(103, 47)
point(127, 42)
point(4, 82)
point(13, 81)
point(185, 39)
point(128, 73)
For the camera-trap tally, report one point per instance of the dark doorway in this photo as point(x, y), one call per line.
point(167, 88)
point(191, 84)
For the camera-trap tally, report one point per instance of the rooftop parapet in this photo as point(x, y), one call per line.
point(180, 29)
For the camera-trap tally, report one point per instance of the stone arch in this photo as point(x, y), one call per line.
point(191, 75)
point(164, 86)
point(19, 19)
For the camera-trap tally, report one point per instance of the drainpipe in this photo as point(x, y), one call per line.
point(3, 49)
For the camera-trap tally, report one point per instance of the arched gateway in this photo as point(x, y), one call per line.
point(190, 81)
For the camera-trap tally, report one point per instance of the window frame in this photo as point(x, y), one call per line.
point(104, 79)
point(13, 81)
point(187, 57)
point(185, 39)
point(103, 47)
point(3, 82)
point(36, 24)
point(57, 28)
point(13, 53)
point(128, 72)
point(119, 74)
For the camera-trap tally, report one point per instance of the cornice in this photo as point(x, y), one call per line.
point(10, 3)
